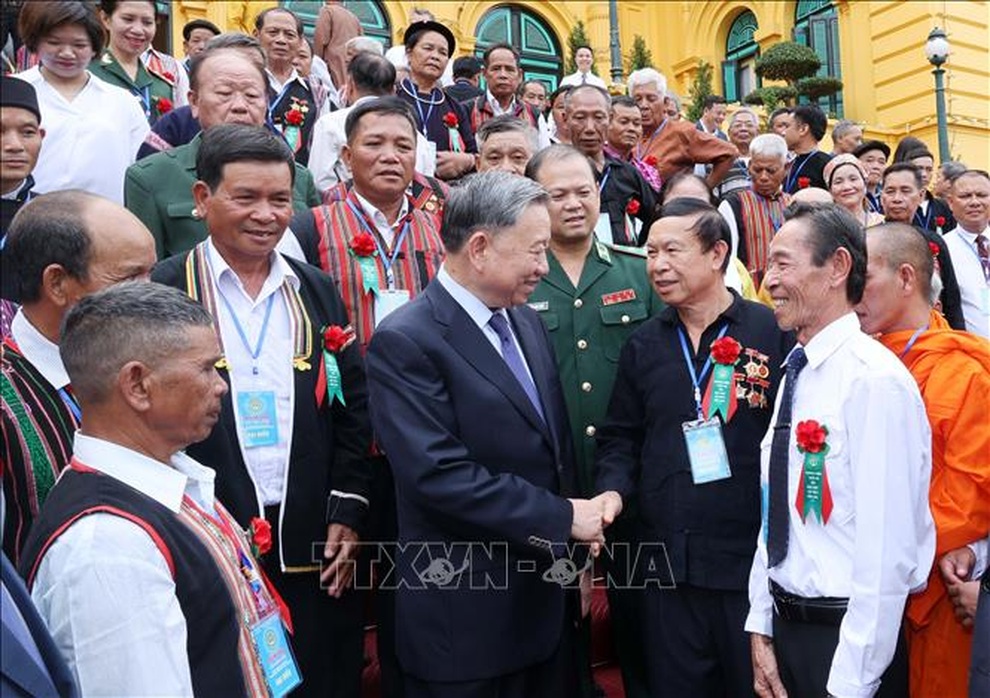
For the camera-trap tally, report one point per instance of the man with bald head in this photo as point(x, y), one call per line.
point(61, 247)
point(952, 369)
point(226, 87)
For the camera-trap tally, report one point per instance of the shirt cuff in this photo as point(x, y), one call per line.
point(979, 549)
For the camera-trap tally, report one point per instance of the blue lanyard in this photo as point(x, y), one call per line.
point(144, 94)
point(914, 338)
point(256, 352)
point(71, 403)
point(271, 107)
point(605, 176)
point(923, 222)
point(387, 260)
point(695, 378)
point(793, 177)
point(874, 202)
point(774, 219)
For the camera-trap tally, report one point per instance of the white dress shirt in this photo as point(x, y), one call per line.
point(89, 142)
point(973, 285)
point(267, 465)
point(879, 542)
point(574, 80)
point(388, 231)
point(105, 591)
point(40, 351)
point(480, 314)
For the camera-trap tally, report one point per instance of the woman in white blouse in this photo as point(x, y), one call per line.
point(92, 130)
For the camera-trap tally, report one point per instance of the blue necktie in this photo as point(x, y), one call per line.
point(777, 516)
point(514, 360)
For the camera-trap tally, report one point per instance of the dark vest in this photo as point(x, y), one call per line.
point(211, 619)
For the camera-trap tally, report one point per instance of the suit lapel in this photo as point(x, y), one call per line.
point(536, 358)
point(468, 340)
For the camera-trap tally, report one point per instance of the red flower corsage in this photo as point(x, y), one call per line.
point(726, 351)
point(261, 536)
point(163, 105)
point(450, 120)
point(294, 117)
point(336, 338)
point(939, 221)
point(811, 436)
point(650, 160)
point(632, 208)
point(804, 182)
point(363, 245)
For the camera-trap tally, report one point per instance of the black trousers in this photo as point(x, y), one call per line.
point(328, 637)
point(695, 642)
point(625, 605)
point(557, 677)
point(804, 654)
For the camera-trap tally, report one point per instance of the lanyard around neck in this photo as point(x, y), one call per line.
point(697, 379)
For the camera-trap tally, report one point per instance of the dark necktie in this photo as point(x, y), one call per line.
point(514, 360)
point(983, 252)
point(777, 517)
point(584, 78)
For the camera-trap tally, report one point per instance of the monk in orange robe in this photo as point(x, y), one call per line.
point(953, 373)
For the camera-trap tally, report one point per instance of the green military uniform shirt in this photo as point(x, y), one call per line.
point(158, 190)
point(588, 326)
point(152, 92)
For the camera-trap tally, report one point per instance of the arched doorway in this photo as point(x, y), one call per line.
point(529, 34)
point(738, 70)
point(816, 24)
point(374, 18)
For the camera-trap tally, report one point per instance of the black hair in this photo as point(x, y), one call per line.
point(814, 117)
point(259, 21)
point(832, 227)
point(709, 227)
point(383, 106)
point(905, 166)
point(37, 20)
point(372, 74)
point(229, 143)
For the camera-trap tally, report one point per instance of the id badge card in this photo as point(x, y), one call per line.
point(388, 301)
point(258, 417)
point(275, 656)
point(706, 451)
point(429, 157)
point(603, 229)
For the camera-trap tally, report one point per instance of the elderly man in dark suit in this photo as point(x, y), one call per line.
point(468, 405)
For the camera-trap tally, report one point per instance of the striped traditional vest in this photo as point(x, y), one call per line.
point(761, 218)
point(417, 262)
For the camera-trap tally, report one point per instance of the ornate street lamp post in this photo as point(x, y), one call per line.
point(613, 41)
point(937, 52)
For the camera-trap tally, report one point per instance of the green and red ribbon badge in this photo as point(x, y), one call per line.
point(450, 121)
point(335, 340)
point(364, 249)
point(720, 395)
point(814, 494)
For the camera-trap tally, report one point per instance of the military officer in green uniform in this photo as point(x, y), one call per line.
point(225, 87)
point(594, 296)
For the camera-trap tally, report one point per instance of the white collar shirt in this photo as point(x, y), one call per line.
point(385, 229)
point(39, 350)
point(480, 314)
point(879, 543)
point(105, 591)
point(973, 286)
point(267, 464)
point(90, 141)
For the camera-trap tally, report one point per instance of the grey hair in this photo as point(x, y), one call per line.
point(769, 145)
point(646, 76)
point(130, 321)
point(364, 44)
point(491, 201)
point(236, 40)
point(569, 95)
point(507, 123)
point(672, 96)
point(744, 110)
point(842, 128)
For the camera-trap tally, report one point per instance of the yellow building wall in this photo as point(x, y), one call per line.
point(888, 85)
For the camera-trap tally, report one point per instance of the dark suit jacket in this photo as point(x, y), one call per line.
point(19, 674)
point(473, 464)
point(330, 443)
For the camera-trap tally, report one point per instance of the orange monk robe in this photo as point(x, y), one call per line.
point(953, 373)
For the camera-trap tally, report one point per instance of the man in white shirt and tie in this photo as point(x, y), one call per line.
point(969, 245)
point(847, 532)
point(584, 57)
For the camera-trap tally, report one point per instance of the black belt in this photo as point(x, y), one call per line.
point(823, 610)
